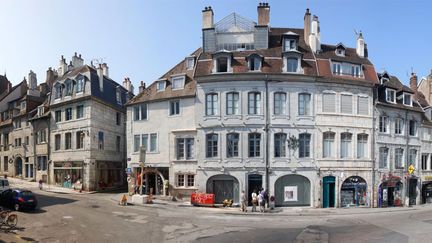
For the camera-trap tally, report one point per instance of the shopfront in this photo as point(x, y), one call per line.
point(223, 187)
point(109, 174)
point(353, 192)
point(390, 192)
point(68, 174)
point(427, 191)
point(292, 190)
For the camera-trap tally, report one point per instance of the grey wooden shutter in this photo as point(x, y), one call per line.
point(329, 103)
point(363, 103)
point(346, 104)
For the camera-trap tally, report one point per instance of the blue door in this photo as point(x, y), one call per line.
point(329, 192)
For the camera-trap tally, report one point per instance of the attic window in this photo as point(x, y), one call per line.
point(41, 110)
point(178, 82)
point(80, 84)
point(290, 44)
point(160, 86)
point(383, 80)
point(254, 63)
point(118, 96)
point(68, 87)
point(58, 91)
point(222, 64)
point(340, 52)
point(407, 99)
point(190, 63)
point(391, 95)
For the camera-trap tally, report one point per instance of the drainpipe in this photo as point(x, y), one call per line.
point(406, 156)
point(266, 129)
point(375, 97)
point(34, 155)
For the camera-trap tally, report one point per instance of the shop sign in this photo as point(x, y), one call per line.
point(427, 178)
point(202, 199)
point(290, 194)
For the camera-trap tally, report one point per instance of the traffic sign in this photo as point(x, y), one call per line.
point(411, 169)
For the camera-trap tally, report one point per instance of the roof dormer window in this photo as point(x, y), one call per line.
point(222, 62)
point(292, 62)
point(222, 65)
point(160, 85)
point(178, 82)
point(40, 111)
point(118, 96)
point(254, 62)
point(58, 91)
point(290, 44)
point(190, 63)
point(68, 87)
point(391, 96)
point(407, 99)
point(340, 50)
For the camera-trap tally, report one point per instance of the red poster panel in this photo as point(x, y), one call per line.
point(202, 199)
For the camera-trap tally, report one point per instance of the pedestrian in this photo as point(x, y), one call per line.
point(254, 200)
point(40, 184)
point(261, 202)
point(243, 202)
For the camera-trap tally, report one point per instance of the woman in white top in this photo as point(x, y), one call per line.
point(254, 200)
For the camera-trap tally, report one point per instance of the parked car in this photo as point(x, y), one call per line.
point(4, 184)
point(18, 199)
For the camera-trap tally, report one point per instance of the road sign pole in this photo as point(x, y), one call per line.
point(142, 160)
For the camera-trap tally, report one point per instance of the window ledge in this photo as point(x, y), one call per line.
point(184, 160)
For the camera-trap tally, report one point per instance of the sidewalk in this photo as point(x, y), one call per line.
point(160, 202)
point(20, 183)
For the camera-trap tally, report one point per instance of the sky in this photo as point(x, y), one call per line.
point(143, 39)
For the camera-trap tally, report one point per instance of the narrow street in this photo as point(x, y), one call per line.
point(98, 218)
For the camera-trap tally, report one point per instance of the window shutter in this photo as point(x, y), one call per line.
point(363, 103)
point(346, 104)
point(329, 103)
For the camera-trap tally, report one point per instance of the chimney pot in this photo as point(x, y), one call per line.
point(263, 14)
point(413, 82)
point(207, 18)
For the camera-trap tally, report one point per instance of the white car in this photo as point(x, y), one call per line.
point(4, 184)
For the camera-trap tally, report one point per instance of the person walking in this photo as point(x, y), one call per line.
point(40, 184)
point(254, 200)
point(261, 201)
point(243, 202)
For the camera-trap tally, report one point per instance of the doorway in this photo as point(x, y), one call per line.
point(390, 196)
point(18, 166)
point(412, 192)
point(254, 183)
point(329, 193)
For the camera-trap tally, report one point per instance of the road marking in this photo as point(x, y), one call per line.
point(67, 217)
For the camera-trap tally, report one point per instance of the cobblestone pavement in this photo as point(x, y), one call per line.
point(99, 218)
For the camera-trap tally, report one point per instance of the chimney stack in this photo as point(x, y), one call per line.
point(62, 66)
point(77, 61)
point(105, 69)
point(360, 48)
point(315, 36)
point(307, 26)
point(32, 80)
point(127, 84)
point(207, 20)
point(142, 87)
point(99, 71)
point(263, 14)
point(50, 77)
point(413, 82)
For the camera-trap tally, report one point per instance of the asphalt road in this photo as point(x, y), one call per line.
point(97, 218)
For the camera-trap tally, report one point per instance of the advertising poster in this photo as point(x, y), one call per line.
point(290, 193)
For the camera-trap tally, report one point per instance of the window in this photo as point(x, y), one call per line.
point(41, 136)
point(153, 142)
point(222, 65)
point(118, 118)
point(68, 87)
point(118, 96)
point(40, 111)
point(346, 104)
point(178, 82)
point(280, 103)
point(329, 102)
point(412, 157)
point(399, 126)
point(18, 123)
point(5, 164)
point(57, 140)
point(346, 145)
point(174, 107)
point(383, 157)
point(185, 148)
point(140, 112)
point(304, 107)
point(254, 103)
point(42, 163)
point(424, 161)
point(18, 142)
point(190, 63)
point(58, 116)
point(180, 180)
point(144, 141)
point(328, 144)
point(101, 140)
point(58, 91)
point(290, 44)
point(211, 145)
point(383, 124)
point(68, 114)
point(355, 71)
point(340, 51)
point(254, 64)
point(137, 139)
point(232, 103)
point(336, 68)
point(292, 64)
point(27, 140)
point(363, 105)
point(254, 144)
point(232, 145)
point(391, 95)
point(362, 141)
point(211, 104)
point(68, 140)
point(304, 145)
point(280, 144)
point(6, 141)
point(412, 128)
point(190, 180)
point(79, 111)
point(399, 158)
point(160, 86)
point(80, 84)
point(80, 140)
point(407, 100)
point(118, 143)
